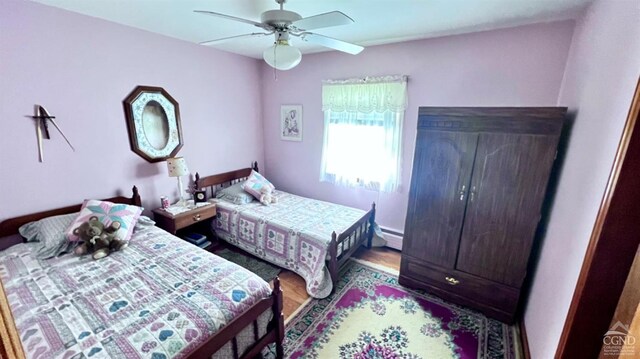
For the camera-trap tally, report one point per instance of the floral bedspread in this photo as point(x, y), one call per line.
point(159, 298)
point(293, 233)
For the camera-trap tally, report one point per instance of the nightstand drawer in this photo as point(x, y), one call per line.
point(194, 216)
point(173, 224)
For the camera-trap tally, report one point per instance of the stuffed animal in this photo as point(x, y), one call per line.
point(98, 239)
point(266, 196)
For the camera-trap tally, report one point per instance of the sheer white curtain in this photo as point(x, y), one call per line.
point(363, 131)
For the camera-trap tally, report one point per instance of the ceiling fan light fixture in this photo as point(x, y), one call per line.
point(282, 55)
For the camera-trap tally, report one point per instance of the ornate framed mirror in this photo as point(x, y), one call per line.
point(153, 119)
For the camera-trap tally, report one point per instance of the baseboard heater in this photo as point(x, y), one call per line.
point(393, 237)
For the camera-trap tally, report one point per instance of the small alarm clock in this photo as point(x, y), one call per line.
point(199, 196)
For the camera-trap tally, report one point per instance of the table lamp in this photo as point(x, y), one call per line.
point(178, 168)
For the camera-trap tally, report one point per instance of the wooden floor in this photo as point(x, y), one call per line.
point(294, 289)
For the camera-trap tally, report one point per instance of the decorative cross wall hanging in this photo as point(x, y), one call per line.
point(43, 118)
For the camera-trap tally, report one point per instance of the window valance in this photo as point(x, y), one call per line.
point(365, 95)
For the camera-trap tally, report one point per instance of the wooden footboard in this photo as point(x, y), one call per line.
point(343, 245)
point(230, 332)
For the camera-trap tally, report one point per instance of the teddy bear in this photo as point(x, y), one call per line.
point(98, 239)
point(266, 196)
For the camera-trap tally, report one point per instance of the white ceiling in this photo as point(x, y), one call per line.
point(376, 21)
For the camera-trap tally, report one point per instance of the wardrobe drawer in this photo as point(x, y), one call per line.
point(475, 289)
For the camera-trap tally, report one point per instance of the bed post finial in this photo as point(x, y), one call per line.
point(276, 284)
point(136, 197)
point(278, 317)
point(254, 166)
point(372, 224)
point(197, 180)
point(333, 258)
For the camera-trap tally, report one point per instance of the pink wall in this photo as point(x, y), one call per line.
point(514, 67)
point(81, 68)
point(602, 72)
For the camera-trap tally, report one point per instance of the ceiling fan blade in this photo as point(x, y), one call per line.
point(328, 19)
point(332, 43)
point(229, 17)
point(210, 42)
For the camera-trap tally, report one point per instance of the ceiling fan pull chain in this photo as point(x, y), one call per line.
point(275, 59)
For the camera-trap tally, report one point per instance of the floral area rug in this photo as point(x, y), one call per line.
point(371, 316)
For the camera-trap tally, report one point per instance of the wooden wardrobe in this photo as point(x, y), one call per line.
point(478, 183)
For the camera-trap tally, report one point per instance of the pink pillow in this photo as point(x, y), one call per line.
point(254, 183)
point(107, 213)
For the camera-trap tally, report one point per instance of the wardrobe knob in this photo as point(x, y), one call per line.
point(462, 190)
point(452, 280)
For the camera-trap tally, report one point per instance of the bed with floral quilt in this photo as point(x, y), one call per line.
point(297, 233)
point(294, 233)
point(158, 298)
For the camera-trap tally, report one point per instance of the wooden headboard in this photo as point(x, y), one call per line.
point(226, 178)
point(10, 226)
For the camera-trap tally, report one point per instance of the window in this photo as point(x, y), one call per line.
point(363, 132)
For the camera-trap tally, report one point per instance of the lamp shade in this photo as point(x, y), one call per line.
point(177, 167)
point(282, 56)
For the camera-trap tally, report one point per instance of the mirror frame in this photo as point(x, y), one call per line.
point(172, 148)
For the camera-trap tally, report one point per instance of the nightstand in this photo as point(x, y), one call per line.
point(173, 223)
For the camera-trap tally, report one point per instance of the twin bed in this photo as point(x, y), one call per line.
point(158, 298)
point(163, 298)
point(309, 237)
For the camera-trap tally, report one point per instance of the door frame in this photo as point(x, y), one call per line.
point(611, 250)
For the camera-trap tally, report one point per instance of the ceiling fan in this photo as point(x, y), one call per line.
point(283, 24)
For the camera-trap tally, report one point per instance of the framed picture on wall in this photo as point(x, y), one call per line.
point(291, 122)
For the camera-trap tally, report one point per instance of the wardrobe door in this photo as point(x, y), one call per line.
point(507, 190)
point(439, 186)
